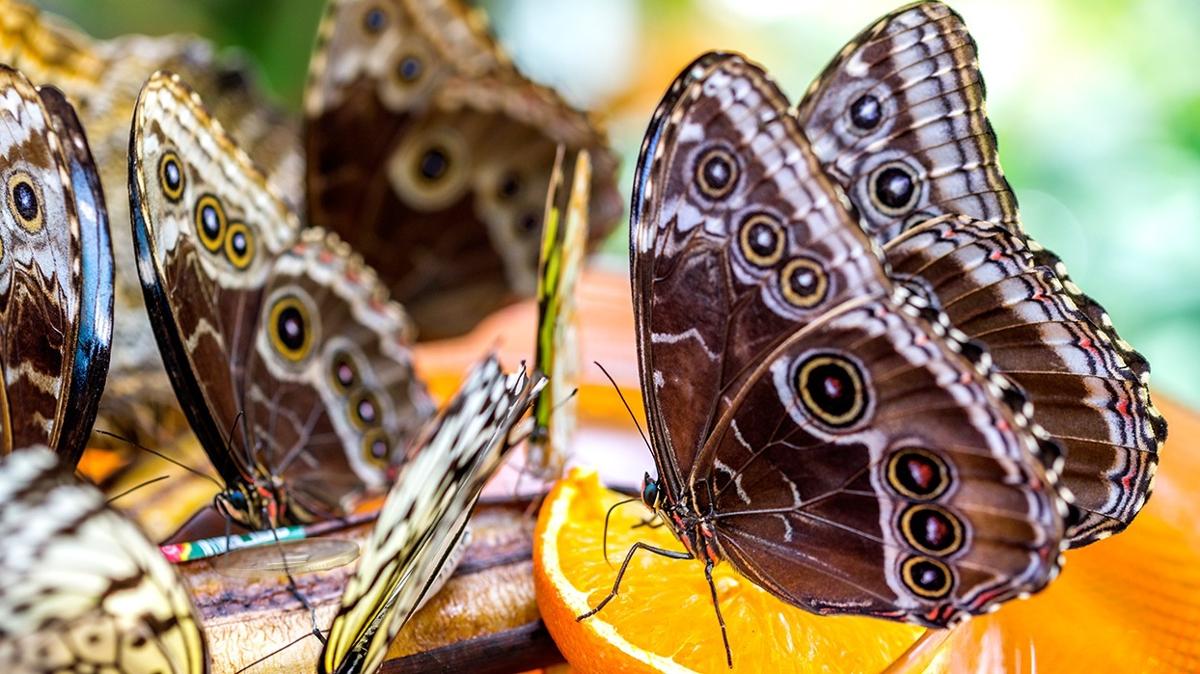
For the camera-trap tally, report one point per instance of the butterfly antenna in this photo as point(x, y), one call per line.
point(604, 539)
point(162, 456)
point(136, 487)
point(626, 404)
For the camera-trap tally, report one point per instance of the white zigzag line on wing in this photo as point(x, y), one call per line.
point(690, 333)
point(737, 480)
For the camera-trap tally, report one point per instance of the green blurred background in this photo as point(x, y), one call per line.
point(1096, 104)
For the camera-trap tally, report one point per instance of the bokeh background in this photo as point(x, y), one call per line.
point(1096, 104)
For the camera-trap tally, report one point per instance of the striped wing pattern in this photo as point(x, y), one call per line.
point(81, 588)
point(425, 513)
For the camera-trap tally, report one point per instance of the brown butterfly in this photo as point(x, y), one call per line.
point(898, 120)
point(820, 428)
point(293, 366)
point(429, 152)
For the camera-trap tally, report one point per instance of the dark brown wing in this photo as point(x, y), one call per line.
point(1089, 388)
point(867, 466)
point(55, 273)
point(431, 154)
point(898, 120)
point(736, 239)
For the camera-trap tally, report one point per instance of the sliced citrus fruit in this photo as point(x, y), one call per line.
point(663, 619)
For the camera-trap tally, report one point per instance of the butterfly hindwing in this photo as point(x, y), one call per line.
point(426, 510)
point(282, 346)
point(85, 590)
point(55, 272)
point(429, 151)
point(898, 120)
point(844, 447)
point(913, 491)
point(1087, 386)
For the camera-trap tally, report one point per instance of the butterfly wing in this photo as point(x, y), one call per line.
point(253, 318)
point(898, 120)
point(564, 237)
point(432, 154)
point(424, 515)
point(1088, 386)
point(55, 273)
point(866, 466)
point(84, 590)
point(786, 379)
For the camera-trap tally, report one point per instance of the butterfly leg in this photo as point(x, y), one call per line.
point(673, 554)
point(708, 567)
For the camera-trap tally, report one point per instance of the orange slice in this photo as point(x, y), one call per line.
point(663, 618)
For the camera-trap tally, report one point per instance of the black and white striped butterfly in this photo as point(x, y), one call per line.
point(423, 519)
point(84, 590)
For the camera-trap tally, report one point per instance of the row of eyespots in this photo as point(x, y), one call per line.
point(894, 187)
point(213, 228)
point(761, 236)
point(362, 406)
point(921, 475)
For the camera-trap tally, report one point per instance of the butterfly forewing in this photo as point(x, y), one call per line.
point(429, 151)
point(898, 120)
point(290, 360)
point(730, 248)
point(84, 590)
point(422, 520)
point(55, 272)
point(840, 443)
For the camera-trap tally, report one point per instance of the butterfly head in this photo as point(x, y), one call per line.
point(254, 506)
point(651, 492)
